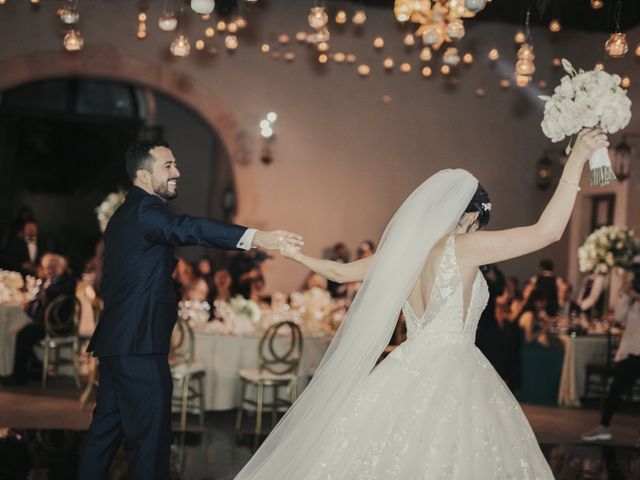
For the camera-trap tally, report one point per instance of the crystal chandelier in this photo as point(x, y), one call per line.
point(439, 21)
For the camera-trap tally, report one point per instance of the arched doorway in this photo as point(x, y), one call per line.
point(110, 63)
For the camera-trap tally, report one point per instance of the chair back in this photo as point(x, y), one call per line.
point(97, 306)
point(62, 316)
point(182, 344)
point(284, 358)
point(613, 342)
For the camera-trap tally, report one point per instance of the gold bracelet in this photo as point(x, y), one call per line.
point(575, 185)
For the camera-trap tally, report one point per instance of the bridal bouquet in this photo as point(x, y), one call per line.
point(587, 100)
point(108, 207)
point(606, 248)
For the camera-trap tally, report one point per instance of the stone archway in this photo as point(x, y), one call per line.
point(107, 62)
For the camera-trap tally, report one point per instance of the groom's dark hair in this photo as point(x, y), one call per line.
point(138, 156)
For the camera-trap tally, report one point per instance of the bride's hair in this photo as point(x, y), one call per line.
point(482, 204)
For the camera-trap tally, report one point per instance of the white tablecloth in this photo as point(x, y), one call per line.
point(578, 353)
point(12, 319)
point(223, 356)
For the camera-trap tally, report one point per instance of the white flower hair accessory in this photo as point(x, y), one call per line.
point(486, 206)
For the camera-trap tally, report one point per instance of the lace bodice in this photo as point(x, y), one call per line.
point(445, 309)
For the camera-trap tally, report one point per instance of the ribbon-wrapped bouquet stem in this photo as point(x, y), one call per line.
point(587, 100)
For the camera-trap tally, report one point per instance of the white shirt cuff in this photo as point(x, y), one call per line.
point(246, 241)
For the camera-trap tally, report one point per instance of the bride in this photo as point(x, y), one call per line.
point(434, 408)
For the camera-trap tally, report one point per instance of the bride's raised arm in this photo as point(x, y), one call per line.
point(484, 247)
point(334, 271)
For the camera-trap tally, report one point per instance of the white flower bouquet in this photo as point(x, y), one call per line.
point(606, 248)
point(587, 100)
point(108, 207)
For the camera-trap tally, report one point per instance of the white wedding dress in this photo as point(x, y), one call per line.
point(434, 408)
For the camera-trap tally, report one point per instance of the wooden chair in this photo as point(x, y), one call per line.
point(599, 376)
point(61, 318)
point(188, 375)
point(92, 378)
point(276, 370)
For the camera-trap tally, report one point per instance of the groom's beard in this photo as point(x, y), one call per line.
point(166, 191)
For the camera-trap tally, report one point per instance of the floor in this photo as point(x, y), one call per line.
point(46, 431)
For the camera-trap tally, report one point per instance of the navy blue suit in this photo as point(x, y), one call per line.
point(133, 334)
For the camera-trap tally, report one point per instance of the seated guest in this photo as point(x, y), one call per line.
point(627, 360)
point(222, 286)
point(314, 280)
point(197, 291)
point(56, 281)
point(24, 252)
point(508, 306)
point(183, 277)
point(204, 269)
point(541, 358)
point(546, 283)
point(340, 254)
point(566, 305)
point(365, 249)
point(251, 286)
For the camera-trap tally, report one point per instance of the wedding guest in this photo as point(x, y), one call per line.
point(546, 283)
point(488, 338)
point(204, 270)
point(508, 306)
point(252, 286)
point(57, 281)
point(365, 249)
point(24, 252)
point(566, 305)
point(315, 280)
point(627, 359)
point(198, 290)
point(184, 276)
point(340, 254)
point(541, 357)
point(222, 286)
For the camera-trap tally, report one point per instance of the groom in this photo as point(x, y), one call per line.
point(140, 310)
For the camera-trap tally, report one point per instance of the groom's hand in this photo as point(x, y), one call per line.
point(276, 239)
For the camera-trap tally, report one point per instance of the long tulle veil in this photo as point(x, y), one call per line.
point(431, 211)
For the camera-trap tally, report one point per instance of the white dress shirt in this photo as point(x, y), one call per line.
point(246, 241)
point(630, 343)
point(32, 247)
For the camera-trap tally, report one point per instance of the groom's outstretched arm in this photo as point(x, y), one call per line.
point(159, 225)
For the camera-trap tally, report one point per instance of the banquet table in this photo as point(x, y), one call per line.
point(579, 351)
point(223, 356)
point(12, 319)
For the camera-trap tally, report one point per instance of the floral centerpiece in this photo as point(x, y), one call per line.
point(108, 207)
point(606, 248)
point(245, 315)
point(587, 100)
point(11, 280)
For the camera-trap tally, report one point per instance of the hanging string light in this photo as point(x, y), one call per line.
point(525, 66)
point(318, 20)
point(141, 33)
point(168, 21)
point(616, 46)
point(359, 17)
point(597, 4)
point(72, 41)
point(180, 47)
point(69, 14)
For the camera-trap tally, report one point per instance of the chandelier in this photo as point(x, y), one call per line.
point(440, 21)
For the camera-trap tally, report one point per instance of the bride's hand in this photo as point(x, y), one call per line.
point(589, 140)
point(291, 251)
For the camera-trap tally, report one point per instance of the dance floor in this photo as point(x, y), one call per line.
point(51, 429)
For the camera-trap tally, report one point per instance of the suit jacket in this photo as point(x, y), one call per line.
point(65, 284)
point(140, 305)
point(17, 253)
